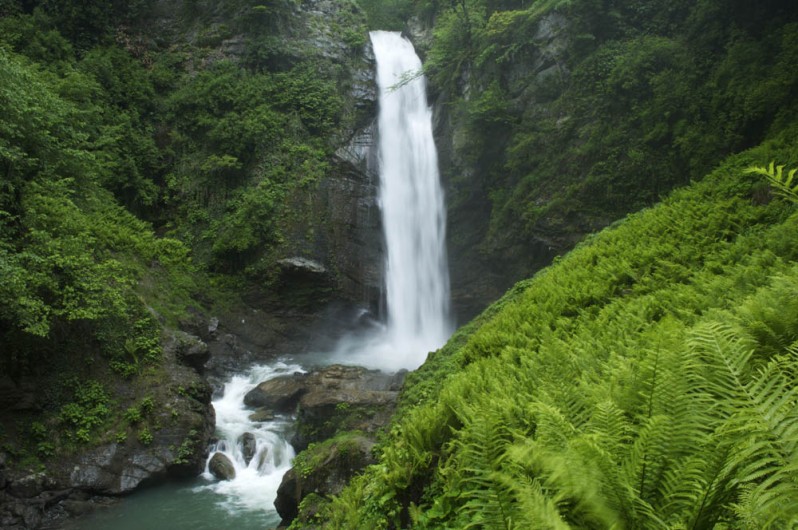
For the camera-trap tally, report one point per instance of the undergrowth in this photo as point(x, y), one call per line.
point(644, 380)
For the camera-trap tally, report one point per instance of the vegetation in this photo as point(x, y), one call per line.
point(568, 114)
point(645, 380)
point(135, 166)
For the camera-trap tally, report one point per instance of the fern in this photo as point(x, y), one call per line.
point(479, 452)
point(760, 425)
point(784, 184)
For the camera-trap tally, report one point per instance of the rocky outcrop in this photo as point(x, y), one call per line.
point(339, 410)
point(345, 398)
point(484, 265)
point(171, 441)
point(332, 400)
point(221, 467)
point(322, 471)
point(188, 349)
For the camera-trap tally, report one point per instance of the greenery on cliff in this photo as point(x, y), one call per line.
point(568, 114)
point(148, 151)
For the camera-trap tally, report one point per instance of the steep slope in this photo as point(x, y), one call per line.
point(644, 380)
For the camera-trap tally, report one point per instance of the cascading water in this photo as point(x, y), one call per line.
point(413, 215)
point(417, 296)
point(257, 475)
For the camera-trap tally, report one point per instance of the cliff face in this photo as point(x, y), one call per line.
point(554, 122)
point(332, 219)
point(481, 271)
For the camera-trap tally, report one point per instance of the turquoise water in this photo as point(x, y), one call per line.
point(188, 506)
point(245, 502)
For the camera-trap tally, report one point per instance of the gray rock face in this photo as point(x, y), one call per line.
point(221, 467)
point(302, 265)
point(262, 414)
point(188, 349)
point(481, 275)
point(340, 226)
point(336, 398)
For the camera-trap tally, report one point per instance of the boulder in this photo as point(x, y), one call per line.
point(280, 394)
point(188, 349)
point(29, 485)
point(345, 398)
point(299, 265)
point(249, 446)
point(221, 467)
point(261, 415)
point(323, 470)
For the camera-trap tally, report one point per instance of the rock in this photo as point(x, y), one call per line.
point(338, 461)
point(75, 508)
point(280, 394)
point(302, 266)
point(345, 398)
point(213, 325)
point(28, 486)
point(32, 516)
point(248, 446)
point(260, 415)
point(188, 349)
point(221, 467)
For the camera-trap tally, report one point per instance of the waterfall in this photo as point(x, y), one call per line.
point(413, 216)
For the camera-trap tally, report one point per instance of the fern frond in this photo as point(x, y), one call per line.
point(781, 183)
point(764, 435)
point(726, 361)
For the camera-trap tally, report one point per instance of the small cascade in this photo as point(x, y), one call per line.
point(258, 476)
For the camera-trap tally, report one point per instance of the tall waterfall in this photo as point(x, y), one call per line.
point(413, 211)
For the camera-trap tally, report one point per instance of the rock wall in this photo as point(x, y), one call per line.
point(182, 422)
point(481, 274)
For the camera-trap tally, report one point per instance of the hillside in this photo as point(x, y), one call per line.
point(157, 161)
point(645, 380)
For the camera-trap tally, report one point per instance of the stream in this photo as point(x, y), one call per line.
point(417, 302)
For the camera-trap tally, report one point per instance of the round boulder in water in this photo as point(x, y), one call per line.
point(249, 446)
point(221, 467)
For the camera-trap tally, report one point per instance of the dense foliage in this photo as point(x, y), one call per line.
point(136, 161)
point(645, 380)
point(570, 114)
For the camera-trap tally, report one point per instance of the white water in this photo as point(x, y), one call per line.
point(417, 299)
point(413, 215)
point(255, 484)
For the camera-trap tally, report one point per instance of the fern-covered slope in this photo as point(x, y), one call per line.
point(645, 380)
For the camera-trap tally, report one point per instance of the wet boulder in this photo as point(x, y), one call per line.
point(249, 446)
point(221, 467)
point(280, 394)
point(323, 471)
point(345, 398)
point(261, 415)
